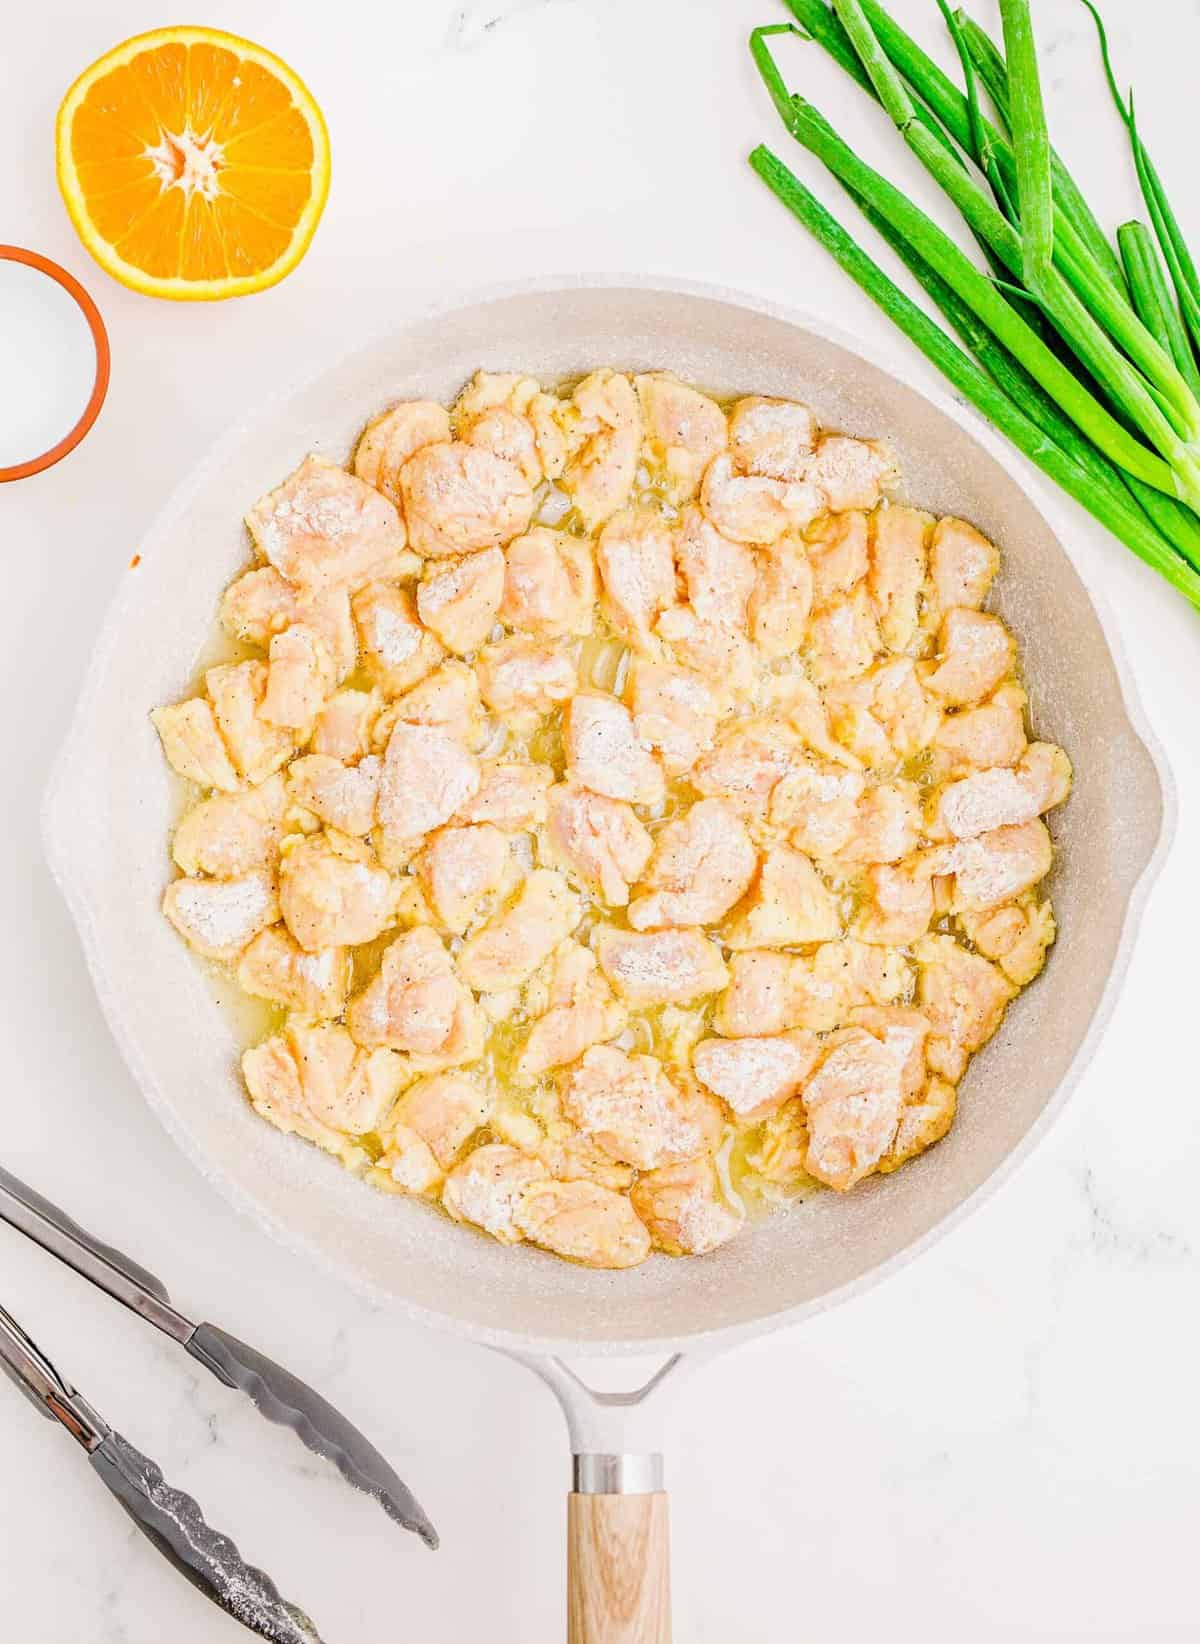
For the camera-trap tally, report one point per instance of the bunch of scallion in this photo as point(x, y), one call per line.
point(1084, 353)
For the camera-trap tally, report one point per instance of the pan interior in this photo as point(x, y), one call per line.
point(112, 805)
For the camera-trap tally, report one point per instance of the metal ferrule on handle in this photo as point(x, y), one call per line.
point(630, 1474)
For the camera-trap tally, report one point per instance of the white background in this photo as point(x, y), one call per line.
point(1002, 1442)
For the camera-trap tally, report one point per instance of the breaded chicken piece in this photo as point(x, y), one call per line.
point(660, 967)
point(749, 758)
point(977, 739)
point(276, 967)
point(975, 652)
point(427, 776)
point(771, 993)
point(230, 834)
point(521, 679)
point(459, 599)
point(771, 437)
point(193, 745)
point(749, 508)
point(675, 712)
point(923, 1121)
point(597, 838)
point(838, 555)
point(816, 805)
point(447, 698)
point(995, 867)
point(887, 825)
point(885, 716)
point(852, 1104)
point(703, 863)
point(684, 430)
point(721, 654)
point(964, 997)
point(312, 1081)
point(779, 606)
point(754, 1076)
point(418, 1003)
point(603, 751)
point(462, 871)
point(515, 941)
point(238, 695)
point(511, 795)
point(719, 576)
point(325, 528)
point(333, 893)
point(962, 566)
point(633, 1111)
point(635, 555)
point(301, 677)
point(843, 639)
point(459, 498)
point(898, 540)
point(389, 439)
point(579, 1011)
point(428, 1128)
point(1015, 936)
point(488, 1186)
point(397, 650)
point(1003, 796)
point(219, 917)
point(789, 904)
point(549, 585)
point(584, 1223)
point(602, 424)
point(850, 473)
point(683, 1208)
point(261, 603)
point(343, 727)
point(899, 906)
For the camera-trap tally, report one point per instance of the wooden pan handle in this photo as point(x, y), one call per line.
point(618, 1569)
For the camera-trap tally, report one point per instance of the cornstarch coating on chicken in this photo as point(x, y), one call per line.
point(622, 808)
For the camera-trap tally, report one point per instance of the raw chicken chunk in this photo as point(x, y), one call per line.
point(344, 725)
point(885, 715)
point(1015, 936)
point(603, 425)
point(675, 712)
point(427, 776)
point(790, 904)
point(418, 1003)
point(459, 600)
point(683, 1208)
point(324, 528)
point(511, 795)
point(580, 1011)
point(462, 871)
point(300, 678)
point(719, 575)
point(778, 608)
point(721, 654)
point(459, 498)
point(838, 556)
point(603, 751)
point(853, 1104)
point(429, 1127)
point(341, 795)
point(975, 652)
point(193, 746)
point(843, 639)
point(521, 678)
point(597, 838)
point(703, 863)
point(684, 430)
point(850, 473)
point(899, 908)
point(749, 758)
point(333, 894)
point(995, 867)
point(490, 412)
point(755, 1076)
point(773, 993)
point(261, 603)
point(487, 1188)
point(780, 1150)
point(962, 565)
point(633, 1111)
point(447, 698)
point(761, 999)
point(1003, 796)
point(964, 997)
point(583, 1222)
point(661, 967)
point(636, 560)
point(238, 692)
point(397, 651)
point(393, 436)
point(748, 508)
point(507, 951)
point(276, 967)
point(923, 1121)
point(509, 436)
point(898, 549)
point(549, 585)
point(772, 438)
point(230, 834)
point(817, 805)
point(976, 739)
point(218, 917)
point(887, 825)
point(313, 1081)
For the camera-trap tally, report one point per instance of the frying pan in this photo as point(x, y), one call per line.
point(111, 804)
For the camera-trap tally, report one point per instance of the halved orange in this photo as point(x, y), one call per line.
point(194, 164)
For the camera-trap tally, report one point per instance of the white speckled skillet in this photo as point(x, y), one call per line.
point(1112, 838)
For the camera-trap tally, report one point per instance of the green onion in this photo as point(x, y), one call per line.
point(1124, 520)
point(1103, 387)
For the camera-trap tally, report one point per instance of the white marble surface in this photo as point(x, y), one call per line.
point(1001, 1442)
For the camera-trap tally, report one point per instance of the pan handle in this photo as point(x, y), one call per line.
point(618, 1564)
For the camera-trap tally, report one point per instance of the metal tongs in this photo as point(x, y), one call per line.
point(171, 1519)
